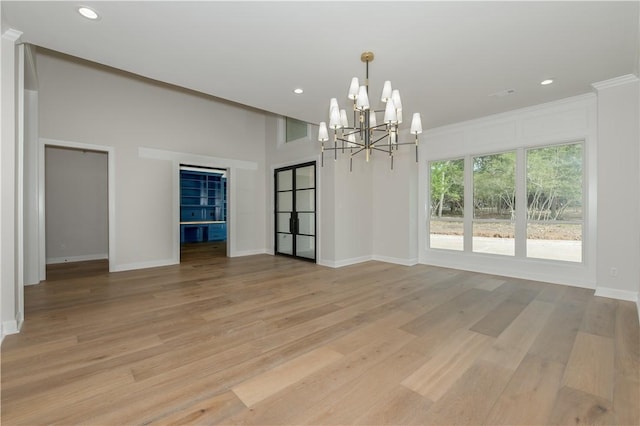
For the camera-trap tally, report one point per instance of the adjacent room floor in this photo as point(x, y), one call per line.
point(271, 340)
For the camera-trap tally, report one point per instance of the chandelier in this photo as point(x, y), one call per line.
point(366, 135)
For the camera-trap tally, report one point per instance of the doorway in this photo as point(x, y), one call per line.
point(203, 213)
point(77, 211)
point(295, 211)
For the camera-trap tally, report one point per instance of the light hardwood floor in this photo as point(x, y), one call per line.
point(270, 340)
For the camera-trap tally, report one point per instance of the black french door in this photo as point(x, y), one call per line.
point(295, 212)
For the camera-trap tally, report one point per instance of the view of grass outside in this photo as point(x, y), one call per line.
point(554, 203)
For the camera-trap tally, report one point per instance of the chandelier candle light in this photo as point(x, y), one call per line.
point(366, 135)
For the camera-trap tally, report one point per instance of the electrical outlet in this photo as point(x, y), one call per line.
point(613, 272)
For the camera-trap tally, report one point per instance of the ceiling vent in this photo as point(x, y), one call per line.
point(502, 93)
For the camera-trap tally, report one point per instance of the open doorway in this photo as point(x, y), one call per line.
point(203, 213)
point(76, 185)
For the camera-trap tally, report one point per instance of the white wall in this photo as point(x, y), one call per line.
point(353, 192)
point(568, 120)
point(31, 198)
point(618, 200)
point(637, 73)
point(11, 313)
point(395, 207)
point(86, 103)
point(77, 210)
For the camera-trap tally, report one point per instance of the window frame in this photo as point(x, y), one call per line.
point(521, 203)
point(281, 132)
point(464, 197)
point(584, 200)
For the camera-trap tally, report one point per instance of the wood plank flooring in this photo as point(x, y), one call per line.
point(271, 340)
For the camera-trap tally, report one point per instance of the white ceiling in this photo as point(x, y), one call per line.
point(445, 57)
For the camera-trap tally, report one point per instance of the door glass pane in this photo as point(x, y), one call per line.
point(285, 182)
point(305, 177)
point(306, 223)
point(283, 222)
point(285, 243)
point(305, 246)
point(305, 200)
point(285, 201)
point(295, 197)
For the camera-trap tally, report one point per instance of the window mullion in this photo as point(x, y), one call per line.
point(521, 204)
point(468, 203)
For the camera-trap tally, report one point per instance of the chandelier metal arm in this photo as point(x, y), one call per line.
point(386, 151)
point(343, 147)
point(358, 151)
point(365, 134)
point(378, 140)
point(405, 143)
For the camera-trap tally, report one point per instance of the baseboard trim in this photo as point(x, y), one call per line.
point(82, 258)
point(361, 259)
point(613, 293)
point(10, 327)
point(572, 279)
point(248, 253)
point(396, 260)
point(144, 265)
point(345, 262)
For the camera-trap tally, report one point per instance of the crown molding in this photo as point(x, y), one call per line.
point(509, 115)
point(614, 82)
point(12, 35)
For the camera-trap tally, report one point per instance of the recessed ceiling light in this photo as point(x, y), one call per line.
point(88, 13)
point(547, 81)
point(298, 91)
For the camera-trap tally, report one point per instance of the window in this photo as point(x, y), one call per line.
point(554, 202)
point(494, 203)
point(447, 204)
point(295, 129)
point(546, 183)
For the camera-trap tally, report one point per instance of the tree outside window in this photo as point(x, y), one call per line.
point(494, 203)
point(447, 204)
point(554, 202)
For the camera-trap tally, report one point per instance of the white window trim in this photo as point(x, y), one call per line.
point(520, 221)
point(567, 121)
point(281, 133)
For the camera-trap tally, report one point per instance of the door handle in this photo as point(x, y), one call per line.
point(294, 223)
